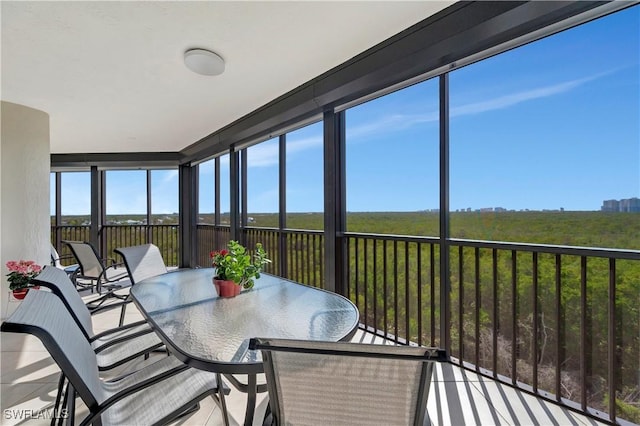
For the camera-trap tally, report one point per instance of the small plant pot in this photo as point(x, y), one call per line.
point(21, 293)
point(227, 288)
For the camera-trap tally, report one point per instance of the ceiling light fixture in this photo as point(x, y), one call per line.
point(203, 62)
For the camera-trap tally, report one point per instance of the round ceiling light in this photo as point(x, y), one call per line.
point(203, 62)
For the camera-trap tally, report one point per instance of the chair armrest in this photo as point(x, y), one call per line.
point(119, 329)
point(100, 307)
point(110, 261)
point(122, 339)
point(103, 278)
point(66, 256)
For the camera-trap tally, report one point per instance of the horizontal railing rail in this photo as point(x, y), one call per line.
point(550, 249)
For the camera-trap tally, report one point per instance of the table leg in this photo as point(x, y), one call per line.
point(252, 389)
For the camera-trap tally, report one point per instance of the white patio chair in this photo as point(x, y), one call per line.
point(70, 270)
point(320, 383)
point(113, 347)
point(94, 270)
point(156, 394)
point(143, 261)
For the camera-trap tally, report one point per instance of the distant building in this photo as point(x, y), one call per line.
point(624, 205)
point(630, 205)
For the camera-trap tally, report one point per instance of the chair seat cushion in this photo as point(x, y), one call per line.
point(157, 401)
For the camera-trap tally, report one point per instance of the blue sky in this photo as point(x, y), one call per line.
point(554, 124)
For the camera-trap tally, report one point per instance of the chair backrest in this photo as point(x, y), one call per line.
point(55, 258)
point(144, 261)
point(58, 281)
point(43, 315)
point(90, 264)
point(316, 383)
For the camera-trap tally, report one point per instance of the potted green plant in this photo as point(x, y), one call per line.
point(20, 275)
point(236, 268)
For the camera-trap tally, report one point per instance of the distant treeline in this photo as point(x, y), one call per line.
point(586, 229)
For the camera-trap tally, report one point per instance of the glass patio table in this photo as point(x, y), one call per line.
point(212, 333)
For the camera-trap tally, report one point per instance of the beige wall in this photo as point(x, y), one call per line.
point(24, 190)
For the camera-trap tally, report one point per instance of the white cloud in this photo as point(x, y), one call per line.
point(264, 202)
point(266, 154)
point(403, 121)
point(297, 145)
point(505, 101)
point(263, 155)
point(169, 176)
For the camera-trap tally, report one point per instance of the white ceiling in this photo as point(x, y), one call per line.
point(112, 79)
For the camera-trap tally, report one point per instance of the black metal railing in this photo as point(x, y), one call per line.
point(210, 238)
point(549, 320)
point(557, 321)
point(166, 237)
point(394, 281)
point(70, 233)
point(295, 254)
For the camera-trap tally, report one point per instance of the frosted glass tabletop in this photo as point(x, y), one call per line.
point(213, 333)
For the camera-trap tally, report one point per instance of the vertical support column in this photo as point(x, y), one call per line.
point(197, 244)
point(187, 216)
point(234, 180)
point(148, 227)
point(102, 214)
point(243, 195)
point(58, 218)
point(445, 279)
point(334, 202)
point(216, 191)
point(282, 205)
point(216, 201)
point(97, 189)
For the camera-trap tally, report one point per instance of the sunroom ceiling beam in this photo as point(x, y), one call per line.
point(125, 160)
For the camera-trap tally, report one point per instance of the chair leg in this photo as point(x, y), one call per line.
point(71, 410)
point(64, 404)
point(122, 312)
point(223, 401)
point(56, 405)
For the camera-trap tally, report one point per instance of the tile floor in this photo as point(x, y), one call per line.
point(457, 397)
